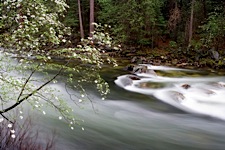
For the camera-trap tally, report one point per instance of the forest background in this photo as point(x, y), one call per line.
point(176, 32)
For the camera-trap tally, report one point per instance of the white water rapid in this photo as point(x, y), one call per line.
point(202, 94)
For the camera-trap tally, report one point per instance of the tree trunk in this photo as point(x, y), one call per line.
point(92, 5)
point(191, 22)
point(204, 8)
point(80, 20)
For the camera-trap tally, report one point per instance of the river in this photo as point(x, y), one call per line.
point(134, 117)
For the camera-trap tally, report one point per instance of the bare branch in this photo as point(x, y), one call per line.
point(58, 108)
point(87, 96)
point(31, 94)
point(71, 95)
point(27, 80)
point(6, 118)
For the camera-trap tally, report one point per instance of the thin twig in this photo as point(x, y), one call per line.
point(71, 95)
point(31, 94)
point(6, 118)
point(27, 80)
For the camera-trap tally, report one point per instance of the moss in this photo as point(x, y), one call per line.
point(152, 85)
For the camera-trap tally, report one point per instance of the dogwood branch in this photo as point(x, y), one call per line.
point(31, 94)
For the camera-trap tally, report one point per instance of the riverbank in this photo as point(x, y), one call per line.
point(169, 57)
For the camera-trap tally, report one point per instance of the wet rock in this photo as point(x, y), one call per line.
point(157, 62)
point(209, 92)
point(182, 64)
point(221, 84)
point(126, 81)
point(206, 91)
point(214, 54)
point(140, 69)
point(134, 59)
point(151, 85)
point(138, 60)
point(174, 61)
point(177, 96)
point(134, 78)
point(143, 69)
point(129, 68)
point(152, 72)
point(186, 86)
point(217, 84)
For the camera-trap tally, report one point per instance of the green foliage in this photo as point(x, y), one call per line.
point(90, 50)
point(71, 15)
point(214, 30)
point(173, 44)
point(132, 21)
point(33, 26)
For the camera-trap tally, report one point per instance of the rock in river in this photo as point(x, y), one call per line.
point(186, 86)
point(177, 96)
point(140, 69)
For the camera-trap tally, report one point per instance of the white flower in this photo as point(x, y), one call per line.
point(12, 131)
point(79, 46)
point(115, 65)
point(13, 136)
point(72, 128)
point(74, 54)
point(44, 112)
point(21, 117)
point(18, 5)
point(82, 128)
point(10, 125)
point(60, 117)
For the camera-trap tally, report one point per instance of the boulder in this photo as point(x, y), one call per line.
point(220, 84)
point(125, 81)
point(185, 86)
point(140, 69)
point(209, 92)
point(214, 54)
point(177, 96)
point(138, 60)
point(134, 78)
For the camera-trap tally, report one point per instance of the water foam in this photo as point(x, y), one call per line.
point(204, 95)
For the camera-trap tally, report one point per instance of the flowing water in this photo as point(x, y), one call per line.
point(176, 110)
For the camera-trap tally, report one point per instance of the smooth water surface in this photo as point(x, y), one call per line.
point(138, 117)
